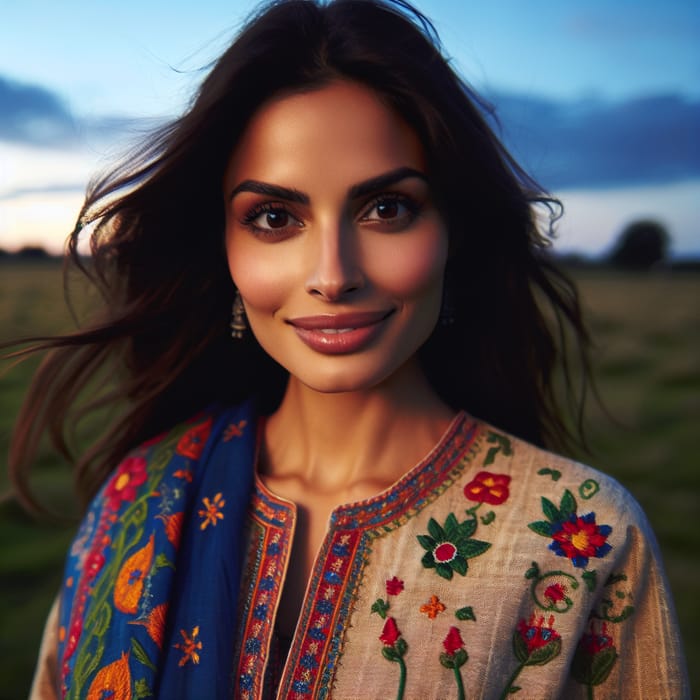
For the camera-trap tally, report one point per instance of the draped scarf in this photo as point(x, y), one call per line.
point(152, 578)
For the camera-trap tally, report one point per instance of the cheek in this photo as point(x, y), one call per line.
point(259, 280)
point(417, 266)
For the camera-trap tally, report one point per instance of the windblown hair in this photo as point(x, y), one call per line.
point(161, 345)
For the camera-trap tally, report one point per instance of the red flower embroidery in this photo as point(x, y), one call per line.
point(192, 442)
point(594, 657)
point(580, 537)
point(535, 635)
point(488, 488)
point(394, 586)
point(390, 633)
point(93, 564)
point(555, 592)
point(444, 553)
point(128, 477)
point(453, 641)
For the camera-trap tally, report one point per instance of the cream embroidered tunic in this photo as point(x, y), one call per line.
point(492, 569)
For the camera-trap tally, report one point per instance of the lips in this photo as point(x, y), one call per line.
point(337, 334)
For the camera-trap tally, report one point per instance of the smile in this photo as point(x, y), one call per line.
point(339, 334)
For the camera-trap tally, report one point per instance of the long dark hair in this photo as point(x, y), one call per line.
point(161, 345)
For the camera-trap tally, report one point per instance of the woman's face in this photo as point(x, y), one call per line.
point(332, 237)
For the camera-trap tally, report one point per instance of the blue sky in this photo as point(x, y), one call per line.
point(601, 99)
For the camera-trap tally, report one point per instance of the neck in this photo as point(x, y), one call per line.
point(336, 442)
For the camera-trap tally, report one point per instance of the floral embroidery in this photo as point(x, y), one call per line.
point(588, 489)
point(433, 608)
point(192, 442)
point(554, 473)
point(123, 485)
point(211, 512)
point(129, 584)
point(112, 681)
point(381, 607)
point(465, 613)
point(449, 547)
point(154, 623)
point(488, 488)
point(173, 526)
point(606, 612)
point(594, 658)
point(533, 645)
point(394, 649)
point(454, 657)
point(185, 474)
point(394, 586)
point(577, 537)
point(190, 647)
point(234, 430)
point(502, 444)
point(555, 596)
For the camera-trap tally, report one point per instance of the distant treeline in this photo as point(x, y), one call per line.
point(643, 245)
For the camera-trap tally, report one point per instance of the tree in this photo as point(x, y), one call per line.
point(641, 245)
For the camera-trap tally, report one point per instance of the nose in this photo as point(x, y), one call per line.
point(335, 271)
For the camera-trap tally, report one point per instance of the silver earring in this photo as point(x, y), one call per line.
point(238, 320)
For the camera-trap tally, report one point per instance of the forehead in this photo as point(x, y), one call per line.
point(340, 130)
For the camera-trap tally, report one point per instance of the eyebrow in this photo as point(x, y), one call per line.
point(355, 192)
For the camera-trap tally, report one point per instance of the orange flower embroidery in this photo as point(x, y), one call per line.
point(190, 647)
point(154, 623)
point(433, 608)
point(192, 442)
point(211, 511)
point(234, 430)
point(173, 526)
point(129, 585)
point(488, 488)
point(113, 681)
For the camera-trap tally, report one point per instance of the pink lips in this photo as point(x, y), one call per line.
point(337, 334)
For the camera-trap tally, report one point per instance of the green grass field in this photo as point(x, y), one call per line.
point(647, 359)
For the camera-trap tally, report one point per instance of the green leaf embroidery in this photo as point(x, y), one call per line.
point(465, 613)
point(590, 578)
point(436, 532)
point(381, 607)
point(427, 542)
point(141, 655)
point(550, 511)
point(474, 548)
point(568, 505)
point(541, 527)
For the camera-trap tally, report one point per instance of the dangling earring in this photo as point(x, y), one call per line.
point(238, 321)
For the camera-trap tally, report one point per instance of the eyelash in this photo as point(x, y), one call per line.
point(270, 208)
point(398, 222)
point(411, 205)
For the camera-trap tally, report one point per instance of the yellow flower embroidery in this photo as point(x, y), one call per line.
point(432, 608)
point(211, 511)
point(190, 647)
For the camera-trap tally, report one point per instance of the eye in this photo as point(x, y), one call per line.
point(271, 220)
point(393, 210)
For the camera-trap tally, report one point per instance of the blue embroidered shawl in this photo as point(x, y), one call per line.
point(152, 579)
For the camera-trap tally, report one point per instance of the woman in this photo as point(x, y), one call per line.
point(336, 186)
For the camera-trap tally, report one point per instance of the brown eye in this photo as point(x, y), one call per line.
point(277, 218)
point(388, 209)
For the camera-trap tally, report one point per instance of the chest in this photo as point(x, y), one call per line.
point(388, 603)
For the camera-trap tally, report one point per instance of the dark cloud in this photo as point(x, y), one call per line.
point(593, 143)
point(583, 144)
point(33, 114)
